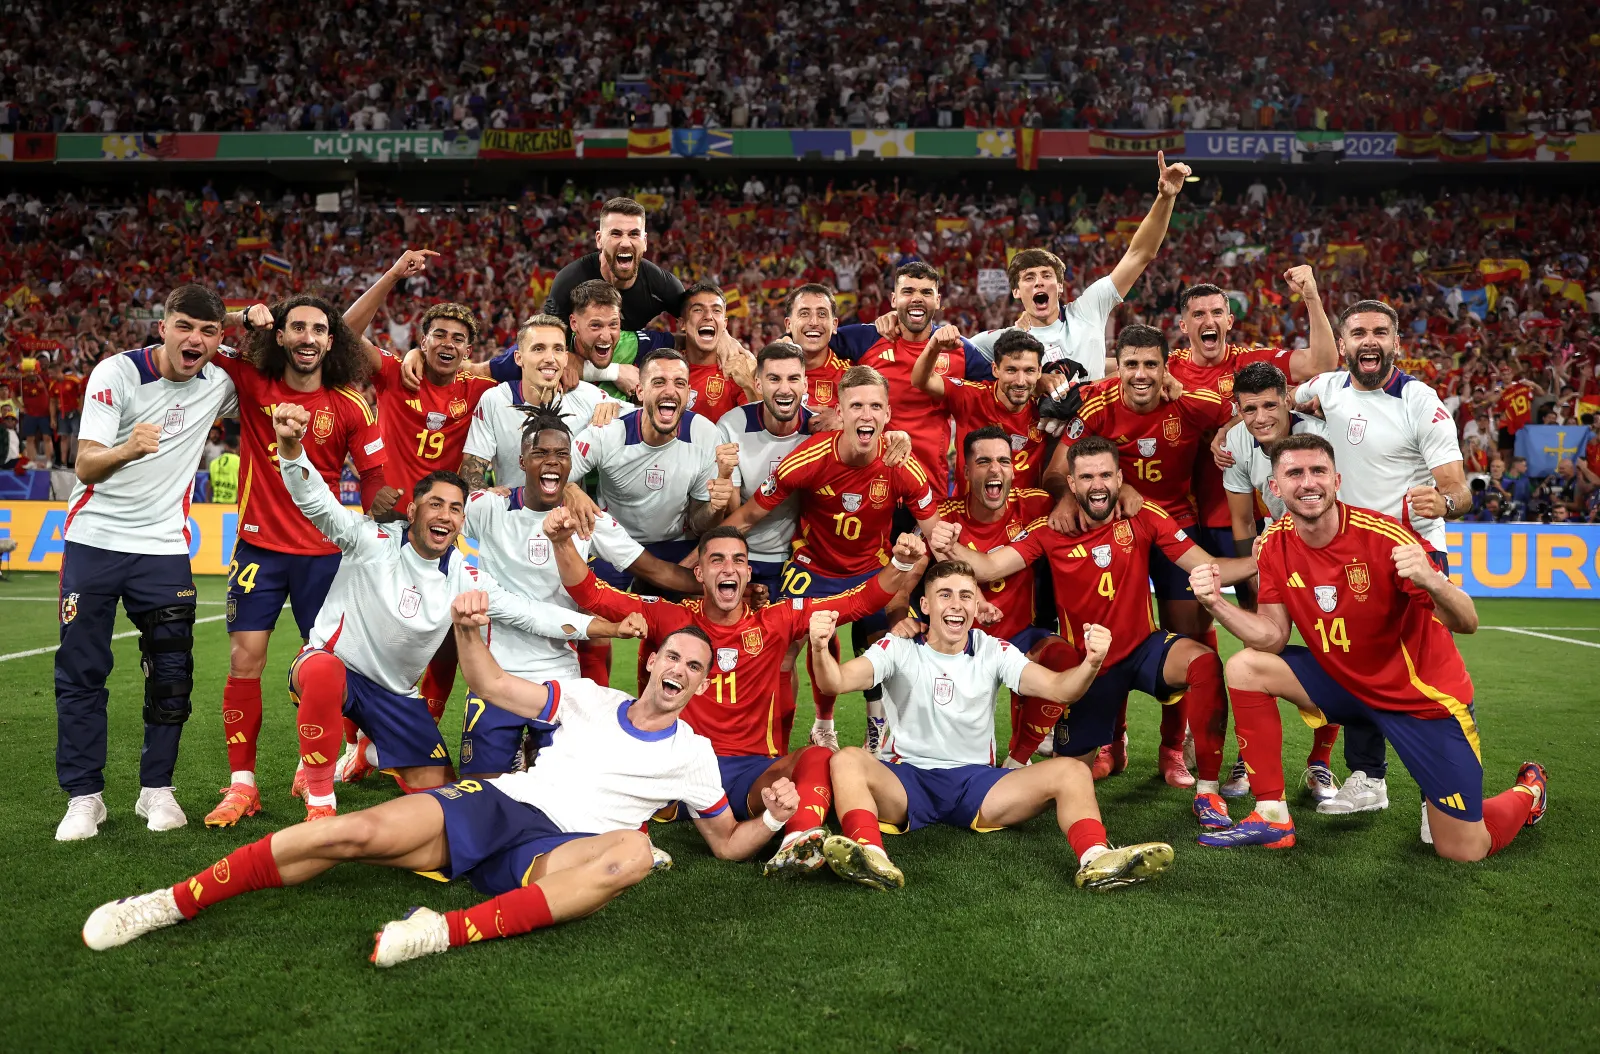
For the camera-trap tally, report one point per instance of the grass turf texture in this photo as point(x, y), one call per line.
point(988, 946)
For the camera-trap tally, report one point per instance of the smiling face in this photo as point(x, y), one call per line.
point(664, 393)
point(782, 384)
point(811, 324)
point(1143, 372)
point(445, 348)
point(1015, 376)
point(305, 339)
point(915, 302)
point(187, 344)
point(1265, 414)
point(951, 604)
point(546, 464)
point(677, 672)
point(595, 332)
point(1307, 482)
point(1095, 481)
point(1370, 345)
point(1206, 321)
point(622, 242)
point(436, 519)
point(705, 316)
point(990, 472)
point(724, 571)
point(864, 411)
point(542, 354)
point(1040, 291)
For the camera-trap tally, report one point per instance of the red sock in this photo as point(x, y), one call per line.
point(1322, 740)
point(1259, 729)
point(861, 825)
point(507, 915)
point(1174, 719)
point(1209, 639)
point(594, 661)
point(1085, 834)
point(318, 680)
point(241, 721)
point(1034, 718)
point(823, 700)
point(350, 731)
point(1208, 713)
point(245, 870)
point(439, 679)
point(814, 783)
point(1504, 814)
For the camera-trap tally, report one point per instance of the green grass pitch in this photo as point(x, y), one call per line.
point(1357, 940)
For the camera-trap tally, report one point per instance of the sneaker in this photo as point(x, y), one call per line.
point(1173, 770)
point(660, 859)
point(1212, 811)
point(1254, 829)
point(160, 808)
point(824, 737)
point(1360, 793)
point(320, 812)
point(1102, 764)
point(1426, 833)
point(1127, 866)
point(1320, 781)
point(238, 801)
point(85, 814)
point(356, 763)
point(875, 727)
point(1532, 775)
point(803, 856)
point(866, 865)
point(421, 932)
point(1237, 785)
point(123, 920)
point(1047, 745)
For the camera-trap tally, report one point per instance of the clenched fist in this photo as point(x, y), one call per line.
point(781, 799)
point(823, 625)
point(146, 439)
point(1096, 643)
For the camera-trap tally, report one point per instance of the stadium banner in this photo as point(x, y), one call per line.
point(1111, 143)
point(831, 143)
point(28, 146)
point(886, 142)
point(1246, 145)
point(1546, 446)
point(513, 144)
point(1056, 144)
point(1525, 559)
point(602, 143)
point(267, 146)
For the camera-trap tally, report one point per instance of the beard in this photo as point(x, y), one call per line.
point(1370, 379)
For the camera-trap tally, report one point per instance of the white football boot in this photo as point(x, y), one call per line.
point(85, 814)
point(123, 920)
point(421, 932)
point(160, 808)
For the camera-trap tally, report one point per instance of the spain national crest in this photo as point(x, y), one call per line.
point(69, 608)
point(878, 491)
point(715, 386)
point(941, 365)
point(1356, 575)
point(410, 602)
point(173, 424)
point(824, 394)
point(727, 659)
point(1327, 597)
point(1356, 430)
point(1122, 532)
point(458, 407)
point(655, 478)
point(539, 551)
point(944, 690)
point(322, 423)
point(1171, 429)
point(1225, 386)
point(751, 639)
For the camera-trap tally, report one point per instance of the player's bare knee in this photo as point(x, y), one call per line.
point(626, 861)
point(849, 760)
point(1243, 669)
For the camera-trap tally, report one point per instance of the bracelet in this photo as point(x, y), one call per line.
point(773, 823)
point(894, 561)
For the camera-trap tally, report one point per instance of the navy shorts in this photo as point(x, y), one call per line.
point(801, 581)
point(622, 579)
point(260, 580)
point(1441, 753)
point(35, 426)
point(1171, 581)
point(1218, 541)
point(67, 424)
point(1029, 638)
point(398, 725)
point(1090, 723)
point(491, 737)
point(494, 839)
point(948, 796)
point(740, 772)
point(768, 573)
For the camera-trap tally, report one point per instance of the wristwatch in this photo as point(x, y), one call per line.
point(1449, 506)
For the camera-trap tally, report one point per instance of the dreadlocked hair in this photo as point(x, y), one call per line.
point(546, 418)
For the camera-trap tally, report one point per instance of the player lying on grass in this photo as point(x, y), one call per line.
point(1377, 618)
point(551, 844)
point(936, 764)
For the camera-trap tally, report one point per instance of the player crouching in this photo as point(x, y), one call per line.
point(554, 843)
point(937, 763)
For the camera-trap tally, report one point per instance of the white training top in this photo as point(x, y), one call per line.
point(388, 609)
point(512, 547)
point(1385, 442)
point(1078, 334)
point(143, 507)
point(759, 454)
point(496, 430)
point(940, 708)
point(647, 488)
point(602, 774)
point(1252, 467)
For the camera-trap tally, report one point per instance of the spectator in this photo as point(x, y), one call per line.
point(10, 441)
point(1517, 487)
point(224, 472)
point(1558, 490)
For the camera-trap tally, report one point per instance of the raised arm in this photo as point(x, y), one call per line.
point(827, 675)
point(1455, 609)
point(469, 613)
point(1152, 230)
point(945, 338)
point(729, 839)
point(544, 620)
point(305, 484)
point(1068, 686)
point(1321, 355)
point(1265, 629)
point(359, 315)
point(945, 541)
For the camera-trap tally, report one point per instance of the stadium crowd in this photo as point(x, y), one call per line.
point(145, 65)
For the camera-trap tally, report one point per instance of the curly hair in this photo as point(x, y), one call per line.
point(343, 365)
point(542, 419)
point(458, 312)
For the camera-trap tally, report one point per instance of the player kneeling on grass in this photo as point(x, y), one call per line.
point(937, 763)
point(1377, 618)
point(551, 844)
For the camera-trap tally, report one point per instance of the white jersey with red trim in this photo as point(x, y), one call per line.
point(600, 773)
point(388, 609)
point(940, 708)
point(143, 507)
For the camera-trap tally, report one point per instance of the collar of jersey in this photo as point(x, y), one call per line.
point(444, 561)
point(638, 733)
point(922, 638)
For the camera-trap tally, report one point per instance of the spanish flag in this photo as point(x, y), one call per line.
point(539, 280)
point(950, 223)
point(733, 302)
point(1027, 149)
point(1499, 221)
point(833, 228)
point(254, 241)
point(650, 142)
point(1503, 270)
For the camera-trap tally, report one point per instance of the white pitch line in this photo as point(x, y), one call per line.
point(114, 636)
point(1551, 629)
point(1545, 636)
point(57, 600)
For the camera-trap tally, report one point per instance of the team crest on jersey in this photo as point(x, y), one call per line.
point(1356, 430)
point(1018, 442)
point(727, 659)
point(1225, 386)
point(851, 502)
point(944, 690)
point(539, 551)
point(941, 365)
point(824, 393)
point(1075, 428)
point(1327, 597)
point(715, 386)
point(173, 423)
point(1171, 429)
point(878, 491)
point(322, 424)
point(1013, 531)
point(655, 478)
point(1122, 533)
point(410, 602)
point(69, 608)
point(751, 641)
point(1102, 555)
point(1147, 446)
point(434, 422)
point(1356, 575)
point(458, 406)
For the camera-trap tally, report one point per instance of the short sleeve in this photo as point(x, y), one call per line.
point(480, 434)
point(886, 655)
point(1315, 388)
point(588, 451)
point(366, 438)
point(853, 341)
point(503, 368)
point(974, 366)
point(1269, 572)
point(915, 491)
point(615, 545)
point(1009, 662)
point(102, 410)
point(1094, 307)
point(1435, 428)
point(388, 375)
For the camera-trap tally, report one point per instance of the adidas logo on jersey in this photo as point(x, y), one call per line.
point(102, 396)
point(1296, 581)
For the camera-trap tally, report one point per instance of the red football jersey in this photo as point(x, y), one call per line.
point(846, 511)
point(1371, 630)
point(341, 423)
point(424, 430)
point(822, 382)
point(913, 410)
point(1026, 510)
point(1159, 448)
point(35, 392)
point(1103, 576)
point(741, 711)
point(1514, 408)
point(68, 392)
point(714, 393)
point(973, 405)
point(1209, 492)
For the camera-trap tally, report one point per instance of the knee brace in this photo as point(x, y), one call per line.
point(166, 647)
